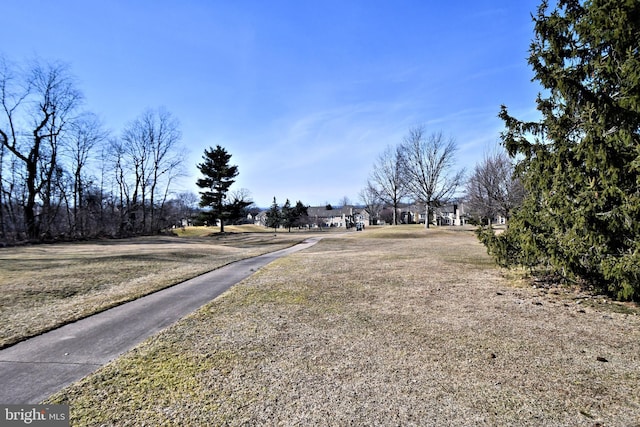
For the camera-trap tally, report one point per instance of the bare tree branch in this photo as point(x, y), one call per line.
point(387, 180)
point(493, 189)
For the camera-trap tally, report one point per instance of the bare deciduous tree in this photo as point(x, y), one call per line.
point(344, 201)
point(85, 135)
point(239, 203)
point(493, 189)
point(124, 180)
point(47, 189)
point(428, 168)
point(38, 106)
point(11, 97)
point(372, 203)
point(150, 143)
point(387, 179)
point(187, 205)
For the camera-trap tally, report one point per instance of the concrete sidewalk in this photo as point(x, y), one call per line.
point(32, 370)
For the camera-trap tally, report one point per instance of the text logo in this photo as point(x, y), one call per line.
point(34, 415)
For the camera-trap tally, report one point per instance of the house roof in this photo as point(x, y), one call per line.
point(323, 212)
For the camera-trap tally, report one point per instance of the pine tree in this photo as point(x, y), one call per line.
point(580, 164)
point(274, 217)
point(288, 215)
point(294, 216)
point(218, 177)
point(301, 213)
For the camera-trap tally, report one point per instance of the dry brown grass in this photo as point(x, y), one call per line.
point(45, 286)
point(397, 326)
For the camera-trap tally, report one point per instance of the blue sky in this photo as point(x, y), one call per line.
point(304, 94)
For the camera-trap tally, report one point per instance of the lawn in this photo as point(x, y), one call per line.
point(391, 326)
point(45, 286)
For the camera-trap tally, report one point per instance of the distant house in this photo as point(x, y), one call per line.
point(411, 214)
point(346, 216)
point(350, 216)
point(260, 218)
point(450, 214)
point(320, 216)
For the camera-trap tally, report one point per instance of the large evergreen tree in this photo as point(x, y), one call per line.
point(274, 216)
point(218, 177)
point(294, 216)
point(301, 213)
point(288, 215)
point(580, 164)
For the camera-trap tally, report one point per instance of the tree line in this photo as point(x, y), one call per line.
point(287, 216)
point(63, 175)
point(422, 170)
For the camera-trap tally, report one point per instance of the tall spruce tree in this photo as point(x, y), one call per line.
point(301, 213)
point(218, 177)
point(274, 216)
point(288, 215)
point(580, 164)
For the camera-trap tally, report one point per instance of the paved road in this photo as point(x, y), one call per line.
point(34, 369)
